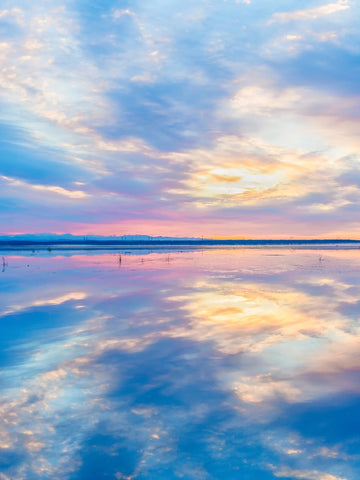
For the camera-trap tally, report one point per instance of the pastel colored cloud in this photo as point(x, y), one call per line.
point(152, 117)
point(305, 474)
point(311, 13)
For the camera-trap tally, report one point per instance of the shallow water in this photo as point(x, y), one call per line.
point(221, 364)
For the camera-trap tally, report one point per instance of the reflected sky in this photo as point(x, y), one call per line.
point(236, 363)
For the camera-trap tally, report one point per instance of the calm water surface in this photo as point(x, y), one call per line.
point(222, 364)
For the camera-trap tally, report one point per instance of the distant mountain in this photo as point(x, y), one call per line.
point(48, 237)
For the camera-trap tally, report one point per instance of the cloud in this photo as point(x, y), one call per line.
point(262, 388)
point(258, 315)
point(14, 12)
point(43, 302)
point(304, 474)
point(12, 182)
point(117, 103)
point(311, 13)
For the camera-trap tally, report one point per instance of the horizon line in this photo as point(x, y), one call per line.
point(145, 237)
point(175, 240)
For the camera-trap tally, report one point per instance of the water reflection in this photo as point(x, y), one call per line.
point(199, 365)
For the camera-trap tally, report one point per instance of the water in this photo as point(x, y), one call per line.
point(221, 364)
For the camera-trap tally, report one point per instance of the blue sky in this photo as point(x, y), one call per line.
point(223, 118)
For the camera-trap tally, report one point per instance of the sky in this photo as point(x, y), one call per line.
point(233, 118)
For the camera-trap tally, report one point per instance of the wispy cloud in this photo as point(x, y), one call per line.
point(118, 103)
point(311, 13)
point(44, 188)
point(304, 474)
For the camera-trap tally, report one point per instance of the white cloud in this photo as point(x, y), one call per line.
point(14, 12)
point(305, 474)
point(121, 13)
point(13, 182)
point(311, 13)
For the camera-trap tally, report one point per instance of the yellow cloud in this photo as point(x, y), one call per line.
point(249, 171)
point(252, 317)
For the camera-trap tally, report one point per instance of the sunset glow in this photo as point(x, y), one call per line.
point(235, 118)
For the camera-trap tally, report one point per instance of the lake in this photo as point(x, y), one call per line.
point(233, 363)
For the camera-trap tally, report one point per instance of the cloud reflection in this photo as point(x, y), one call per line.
point(213, 365)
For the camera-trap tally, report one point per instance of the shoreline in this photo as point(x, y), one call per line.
point(19, 245)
